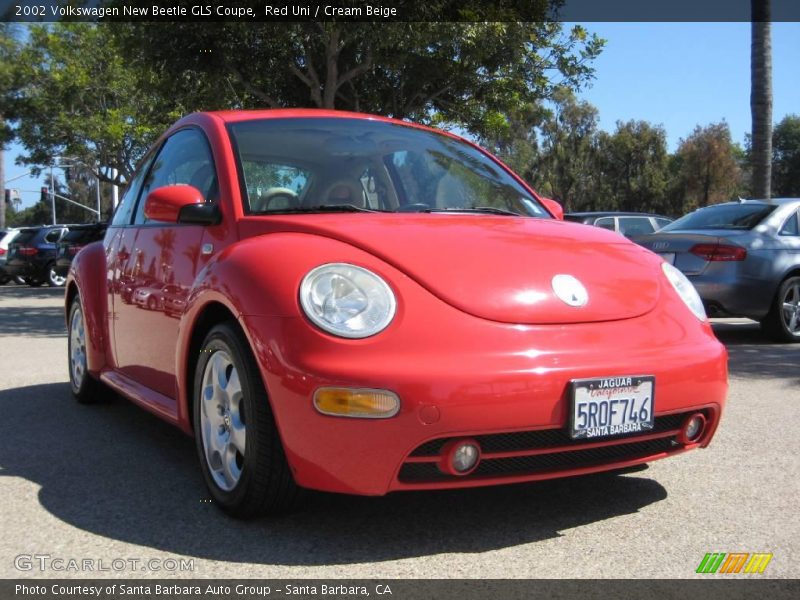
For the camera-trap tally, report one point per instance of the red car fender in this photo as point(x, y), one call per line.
point(86, 277)
point(258, 276)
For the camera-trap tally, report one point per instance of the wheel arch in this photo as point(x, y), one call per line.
point(87, 272)
point(204, 319)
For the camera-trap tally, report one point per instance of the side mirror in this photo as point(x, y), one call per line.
point(554, 207)
point(180, 204)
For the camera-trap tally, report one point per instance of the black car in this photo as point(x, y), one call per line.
point(76, 238)
point(32, 255)
point(629, 224)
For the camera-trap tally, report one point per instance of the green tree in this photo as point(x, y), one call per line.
point(706, 168)
point(632, 168)
point(786, 157)
point(465, 74)
point(83, 99)
point(567, 166)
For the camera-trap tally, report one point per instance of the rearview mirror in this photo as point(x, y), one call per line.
point(180, 204)
point(554, 207)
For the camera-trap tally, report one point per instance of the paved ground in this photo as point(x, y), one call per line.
point(111, 481)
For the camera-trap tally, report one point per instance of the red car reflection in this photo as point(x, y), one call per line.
point(354, 304)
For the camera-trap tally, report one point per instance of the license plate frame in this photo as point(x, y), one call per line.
point(668, 257)
point(632, 394)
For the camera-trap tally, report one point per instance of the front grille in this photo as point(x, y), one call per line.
point(545, 438)
point(428, 472)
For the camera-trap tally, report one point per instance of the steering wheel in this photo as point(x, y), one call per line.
point(279, 194)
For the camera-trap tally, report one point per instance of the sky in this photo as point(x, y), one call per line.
point(678, 75)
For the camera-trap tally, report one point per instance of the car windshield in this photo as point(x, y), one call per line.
point(355, 165)
point(723, 216)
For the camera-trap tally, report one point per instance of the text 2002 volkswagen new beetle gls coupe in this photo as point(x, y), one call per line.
point(354, 304)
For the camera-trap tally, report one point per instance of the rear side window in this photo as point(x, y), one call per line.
point(605, 223)
point(791, 226)
point(52, 236)
point(635, 226)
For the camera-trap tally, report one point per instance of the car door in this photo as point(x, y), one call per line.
point(146, 332)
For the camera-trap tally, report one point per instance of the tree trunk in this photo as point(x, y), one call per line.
point(761, 98)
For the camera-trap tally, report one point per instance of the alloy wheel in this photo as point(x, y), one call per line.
point(222, 420)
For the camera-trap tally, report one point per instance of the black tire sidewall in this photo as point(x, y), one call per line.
point(84, 392)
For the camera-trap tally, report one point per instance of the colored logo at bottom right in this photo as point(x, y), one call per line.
point(734, 562)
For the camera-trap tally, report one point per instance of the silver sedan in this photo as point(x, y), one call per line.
point(743, 258)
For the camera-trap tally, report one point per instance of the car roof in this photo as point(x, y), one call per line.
point(611, 213)
point(778, 201)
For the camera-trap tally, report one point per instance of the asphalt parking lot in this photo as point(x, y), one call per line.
point(111, 481)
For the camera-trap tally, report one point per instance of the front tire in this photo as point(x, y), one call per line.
point(85, 388)
point(783, 321)
point(238, 445)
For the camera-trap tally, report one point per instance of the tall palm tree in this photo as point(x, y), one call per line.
point(761, 97)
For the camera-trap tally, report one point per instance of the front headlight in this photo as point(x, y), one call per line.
point(347, 301)
point(685, 290)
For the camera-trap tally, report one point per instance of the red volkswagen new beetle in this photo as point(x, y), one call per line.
point(354, 304)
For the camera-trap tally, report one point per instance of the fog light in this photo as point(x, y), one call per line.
point(460, 457)
point(358, 403)
point(693, 428)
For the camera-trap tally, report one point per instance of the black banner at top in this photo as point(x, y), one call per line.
point(391, 10)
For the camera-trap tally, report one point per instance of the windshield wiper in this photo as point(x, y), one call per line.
point(322, 208)
point(489, 210)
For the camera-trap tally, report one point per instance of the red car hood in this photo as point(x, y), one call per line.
point(498, 268)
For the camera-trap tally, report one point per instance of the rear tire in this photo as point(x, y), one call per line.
point(54, 279)
point(34, 282)
point(85, 388)
point(782, 323)
point(238, 445)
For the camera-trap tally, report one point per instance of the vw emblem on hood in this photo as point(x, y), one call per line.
point(570, 291)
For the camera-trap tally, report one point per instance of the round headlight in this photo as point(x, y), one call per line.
point(347, 300)
point(685, 290)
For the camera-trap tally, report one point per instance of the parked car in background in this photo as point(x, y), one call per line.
point(6, 236)
point(76, 238)
point(743, 258)
point(366, 305)
point(32, 255)
point(629, 224)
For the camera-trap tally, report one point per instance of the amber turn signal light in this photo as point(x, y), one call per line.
point(358, 403)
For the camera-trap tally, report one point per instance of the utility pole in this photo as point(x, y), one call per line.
point(97, 190)
point(52, 195)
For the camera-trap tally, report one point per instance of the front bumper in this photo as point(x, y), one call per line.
point(460, 376)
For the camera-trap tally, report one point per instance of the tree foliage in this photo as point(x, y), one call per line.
point(786, 157)
point(707, 166)
point(82, 99)
point(465, 74)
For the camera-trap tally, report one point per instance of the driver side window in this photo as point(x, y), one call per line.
point(185, 158)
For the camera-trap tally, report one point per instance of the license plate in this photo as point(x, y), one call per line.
point(668, 257)
point(608, 406)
